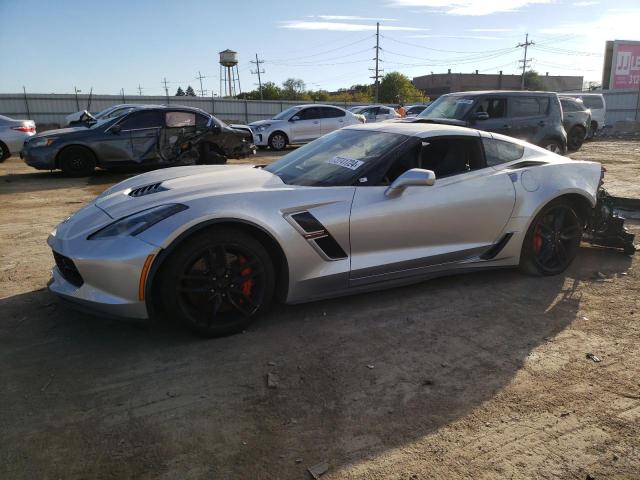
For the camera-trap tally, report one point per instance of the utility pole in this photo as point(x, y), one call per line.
point(166, 89)
point(376, 77)
point(258, 72)
point(77, 102)
point(524, 60)
point(200, 77)
point(122, 93)
point(139, 89)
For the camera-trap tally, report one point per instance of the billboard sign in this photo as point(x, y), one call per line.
point(625, 65)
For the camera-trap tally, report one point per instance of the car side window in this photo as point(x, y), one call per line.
point(201, 120)
point(143, 119)
point(521, 106)
point(180, 119)
point(311, 113)
point(593, 102)
point(328, 112)
point(568, 106)
point(495, 107)
point(498, 151)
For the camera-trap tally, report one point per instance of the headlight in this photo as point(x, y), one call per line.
point(262, 128)
point(138, 222)
point(42, 142)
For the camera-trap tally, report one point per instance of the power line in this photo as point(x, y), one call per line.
point(524, 60)
point(258, 72)
point(441, 50)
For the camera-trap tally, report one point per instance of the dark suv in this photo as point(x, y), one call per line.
point(532, 116)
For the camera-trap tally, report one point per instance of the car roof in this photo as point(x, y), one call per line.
point(170, 107)
point(416, 129)
point(317, 105)
point(499, 92)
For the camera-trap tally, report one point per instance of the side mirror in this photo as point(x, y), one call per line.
point(115, 129)
point(295, 118)
point(480, 116)
point(416, 177)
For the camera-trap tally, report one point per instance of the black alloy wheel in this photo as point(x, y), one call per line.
point(552, 241)
point(216, 283)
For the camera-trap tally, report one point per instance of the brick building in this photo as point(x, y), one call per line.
point(438, 84)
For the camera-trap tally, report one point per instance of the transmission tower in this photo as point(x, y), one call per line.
point(257, 71)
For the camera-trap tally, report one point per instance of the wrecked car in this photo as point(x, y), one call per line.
point(359, 209)
point(85, 117)
point(151, 136)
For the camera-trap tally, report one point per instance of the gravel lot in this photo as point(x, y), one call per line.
point(476, 376)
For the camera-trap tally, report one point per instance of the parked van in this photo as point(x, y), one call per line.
point(596, 103)
point(532, 116)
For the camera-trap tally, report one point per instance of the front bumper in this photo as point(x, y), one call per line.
point(109, 270)
point(41, 158)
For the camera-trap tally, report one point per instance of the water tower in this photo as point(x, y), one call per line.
point(229, 76)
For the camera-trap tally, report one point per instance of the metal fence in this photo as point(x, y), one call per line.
point(51, 109)
point(622, 105)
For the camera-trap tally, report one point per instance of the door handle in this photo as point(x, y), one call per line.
point(541, 123)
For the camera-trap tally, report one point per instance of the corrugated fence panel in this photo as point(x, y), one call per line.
point(622, 105)
point(53, 108)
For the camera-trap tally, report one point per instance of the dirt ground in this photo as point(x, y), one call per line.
point(478, 376)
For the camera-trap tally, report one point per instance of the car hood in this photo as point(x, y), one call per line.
point(441, 121)
point(60, 131)
point(264, 122)
point(182, 185)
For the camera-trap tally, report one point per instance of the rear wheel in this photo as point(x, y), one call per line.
point(4, 152)
point(575, 138)
point(217, 282)
point(552, 240)
point(553, 146)
point(77, 162)
point(278, 141)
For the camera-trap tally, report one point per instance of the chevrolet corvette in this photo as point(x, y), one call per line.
point(363, 208)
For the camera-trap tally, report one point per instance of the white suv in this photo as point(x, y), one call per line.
point(595, 102)
point(301, 124)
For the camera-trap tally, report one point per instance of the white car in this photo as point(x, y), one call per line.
point(596, 103)
point(377, 113)
point(13, 134)
point(301, 124)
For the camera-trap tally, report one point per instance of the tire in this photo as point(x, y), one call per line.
point(77, 162)
point(552, 241)
point(210, 154)
point(278, 141)
point(575, 137)
point(592, 130)
point(212, 299)
point(4, 152)
point(553, 146)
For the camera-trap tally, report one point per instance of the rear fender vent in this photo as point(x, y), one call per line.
point(527, 164)
point(318, 236)
point(147, 190)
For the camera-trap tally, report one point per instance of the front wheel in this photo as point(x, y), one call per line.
point(77, 162)
point(552, 240)
point(553, 146)
point(278, 141)
point(576, 137)
point(217, 282)
point(4, 152)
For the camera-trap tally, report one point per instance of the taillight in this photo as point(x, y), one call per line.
point(25, 129)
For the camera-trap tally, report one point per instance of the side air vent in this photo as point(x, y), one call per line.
point(147, 190)
point(527, 164)
point(496, 248)
point(318, 236)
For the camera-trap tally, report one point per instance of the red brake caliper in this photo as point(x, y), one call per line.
point(247, 285)
point(537, 241)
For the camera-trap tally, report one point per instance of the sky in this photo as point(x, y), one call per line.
point(56, 46)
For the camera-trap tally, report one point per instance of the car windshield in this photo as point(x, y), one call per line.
point(285, 114)
point(454, 108)
point(336, 159)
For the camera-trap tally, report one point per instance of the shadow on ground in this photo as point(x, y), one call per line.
point(86, 397)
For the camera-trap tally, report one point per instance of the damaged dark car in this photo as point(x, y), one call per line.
point(155, 136)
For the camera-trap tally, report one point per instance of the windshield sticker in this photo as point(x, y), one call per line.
point(350, 163)
point(465, 101)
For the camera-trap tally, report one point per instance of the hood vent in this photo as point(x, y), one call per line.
point(146, 190)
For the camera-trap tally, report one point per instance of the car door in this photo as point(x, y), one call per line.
point(370, 114)
point(142, 128)
point(426, 228)
point(496, 108)
point(305, 125)
point(385, 113)
point(528, 116)
point(332, 119)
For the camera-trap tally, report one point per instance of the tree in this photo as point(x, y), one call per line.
point(397, 88)
point(293, 89)
point(270, 91)
point(179, 92)
point(189, 92)
point(533, 81)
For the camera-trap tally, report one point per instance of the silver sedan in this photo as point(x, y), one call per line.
point(363, 208)
point(13, 134)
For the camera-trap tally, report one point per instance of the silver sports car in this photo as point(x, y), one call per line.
point(362, 208)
